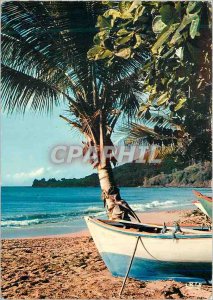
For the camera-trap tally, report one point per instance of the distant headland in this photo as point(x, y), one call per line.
point(148, 175)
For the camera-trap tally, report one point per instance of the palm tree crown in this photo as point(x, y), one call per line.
point(44, 61)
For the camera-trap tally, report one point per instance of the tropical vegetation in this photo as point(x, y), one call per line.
point(44, 63)
point(146, 65)
point(176, 39)
point(168, 173)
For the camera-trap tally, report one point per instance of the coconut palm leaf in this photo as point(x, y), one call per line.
point(158, 130)
point(44, 61)
point(48, 41)
point(44, 47)
point(20, 91)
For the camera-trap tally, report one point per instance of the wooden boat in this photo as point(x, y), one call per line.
point(206, 203)
point(200, 206)
point(187, 257)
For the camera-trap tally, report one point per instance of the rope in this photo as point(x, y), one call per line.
point(115, 202)
point(147, 250)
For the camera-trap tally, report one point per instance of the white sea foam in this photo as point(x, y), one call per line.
point(94, 208)
point(95, 211)
point(29, 220)
point(153, 204)
point(12, 223)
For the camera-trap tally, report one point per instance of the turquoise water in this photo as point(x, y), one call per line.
point(28, 212)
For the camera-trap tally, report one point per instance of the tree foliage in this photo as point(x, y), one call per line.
point(44, 61)
point(168, 173)
point(176, 79)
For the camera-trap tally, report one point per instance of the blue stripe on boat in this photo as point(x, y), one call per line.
point(145, 269)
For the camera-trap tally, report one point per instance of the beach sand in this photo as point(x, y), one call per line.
point(69, 267)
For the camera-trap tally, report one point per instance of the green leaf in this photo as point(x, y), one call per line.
point(124, 53)
point(112, 13)
point(158, 25)
point(126, 15)
point(186, 21)
point(190, 7)
point(124, 6)
point(100, 36)
point(179, 53)
point(138, 12)
point(176, 37)
point(94, 52)
point(163, 37)
point(134, 5)
point(122, 32)
point(124, 40)
point(152, 97)
point(194, 27)
point(103, 22)
point(167, 13)
point(163, 98)
point(193, 7)
point(105, 54)
point(168, 53)
point(138, 41)
point(180, 104)
point(178, 7)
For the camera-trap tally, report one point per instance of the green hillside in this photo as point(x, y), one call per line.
point(166, 174)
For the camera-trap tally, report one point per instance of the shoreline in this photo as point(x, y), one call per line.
point(153, 217)
point(198, 186)
point(83, 233)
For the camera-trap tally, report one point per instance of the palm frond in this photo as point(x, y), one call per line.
point(21, 91)
point(137, 133)
point(45, 45)
point(41, 40)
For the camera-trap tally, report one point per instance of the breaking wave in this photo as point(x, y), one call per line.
point(44, 218)
point(33, 219)
point(153, 204)
point(12, 223)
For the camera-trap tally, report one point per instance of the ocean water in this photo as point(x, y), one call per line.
point(28, 212)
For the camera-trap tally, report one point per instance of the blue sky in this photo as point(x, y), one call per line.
point(26, 142)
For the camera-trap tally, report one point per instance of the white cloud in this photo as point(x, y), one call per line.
point(26, 178)
point(32, 174)
point(22, 177)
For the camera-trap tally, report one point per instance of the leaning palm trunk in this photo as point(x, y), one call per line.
point(116, 207)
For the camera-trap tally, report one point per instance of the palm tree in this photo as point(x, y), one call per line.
point(44, 62)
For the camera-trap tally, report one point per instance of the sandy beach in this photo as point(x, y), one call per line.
point(69, 267)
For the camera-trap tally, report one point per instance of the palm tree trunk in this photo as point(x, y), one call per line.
point(110, 193)
point(106, 177)
point(115, 206)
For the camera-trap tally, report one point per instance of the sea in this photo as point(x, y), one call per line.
point(31, 212)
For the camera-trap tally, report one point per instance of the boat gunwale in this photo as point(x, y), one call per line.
point(100, 223)
point(201, 196)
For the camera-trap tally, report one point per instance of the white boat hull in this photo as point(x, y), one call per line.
point(157, 256)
